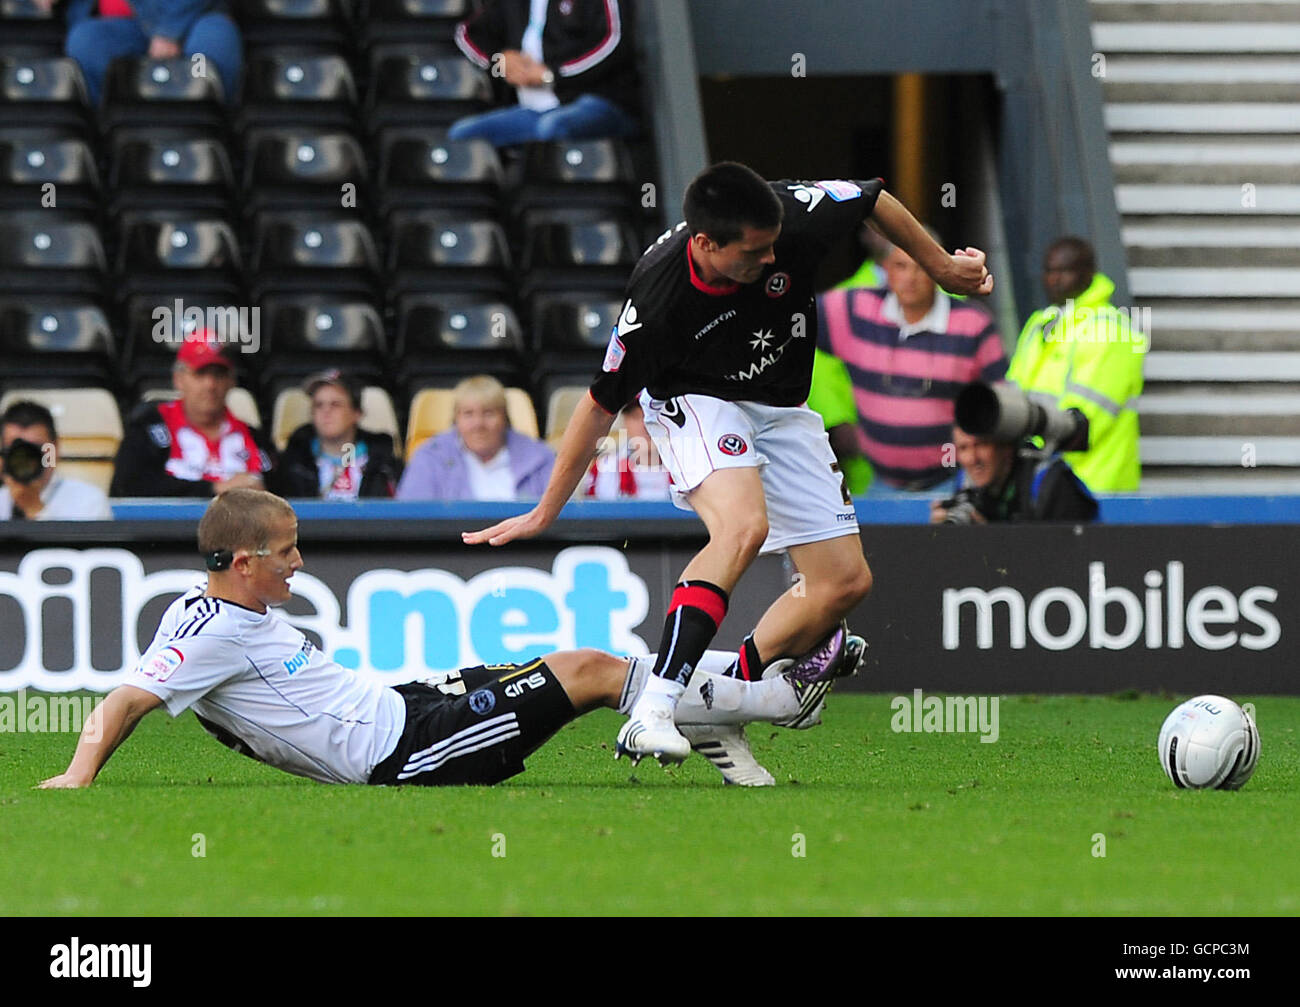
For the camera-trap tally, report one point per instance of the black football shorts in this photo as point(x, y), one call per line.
point(475, 726)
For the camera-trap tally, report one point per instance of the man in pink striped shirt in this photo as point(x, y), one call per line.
point(909, 349)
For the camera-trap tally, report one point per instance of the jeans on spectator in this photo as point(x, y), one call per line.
point(95, 42)
point(588, 117)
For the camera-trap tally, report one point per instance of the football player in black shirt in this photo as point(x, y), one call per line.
point(716, 338)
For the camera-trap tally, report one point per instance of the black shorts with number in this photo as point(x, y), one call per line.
point(475, 727)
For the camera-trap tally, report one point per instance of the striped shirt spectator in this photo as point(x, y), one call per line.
point(906, 375)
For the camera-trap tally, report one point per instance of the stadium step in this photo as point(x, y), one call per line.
point(1204, 122)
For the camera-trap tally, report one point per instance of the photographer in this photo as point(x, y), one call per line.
point(32, 488)
point(1004, 475)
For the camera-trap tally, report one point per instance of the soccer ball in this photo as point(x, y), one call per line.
point(1208, 741)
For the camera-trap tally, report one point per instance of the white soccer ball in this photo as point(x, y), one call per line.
point(1208, 741)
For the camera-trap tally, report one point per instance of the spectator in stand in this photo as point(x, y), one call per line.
point(193, 446)
point(1081, 352)
point(33, 489)
point(100, 31)
point(571, 62)
point(1003, 481)
point(632, 469)
point(909, 349)
point(480, 458)
point(332, 457)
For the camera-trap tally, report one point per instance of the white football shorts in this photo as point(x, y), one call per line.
point(806, 497)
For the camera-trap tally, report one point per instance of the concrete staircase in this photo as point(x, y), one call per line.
point(1203, 111)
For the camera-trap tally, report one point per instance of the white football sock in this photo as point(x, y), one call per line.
point(711, 698)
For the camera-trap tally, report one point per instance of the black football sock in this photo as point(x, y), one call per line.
point(695, 612)
point(747, 666)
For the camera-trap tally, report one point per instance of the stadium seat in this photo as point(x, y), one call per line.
point(293, 408)
point(44, 91)
point(573, 250)
point(560, 404)
point(50, 339)
point(88, 421)
point(305, 252)
point(156, 323)
point(163, 92)
point(419, 170)
point(448, 334)
point(300, 169)
point(419, 85)
point(173, 167)
point(29, 29)
point(576, 174)
point(307, 333)
point(163, 251)
point(33, 157)
point(51, 252)
point(240, 401)
point(443, 251)
point(296, 22)
point(432, 412)
point(396, 20)
point(573, 320)
point(97, 472)
point(297, 87)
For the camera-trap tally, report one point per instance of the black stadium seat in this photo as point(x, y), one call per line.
point(399, 20)
point(155, 323)
point(296, 22)
point(44, 91)
point(306, 252)
point(307, 333)
point(164, 251)
point(573, 320)
point(32, 158)
point(420, 170)
point(59, 340)
point(444, 335)
point(293, 86)
point(418, 85)
point(49, 252)
point(170, 167)
point(576, 174)
point(302, 169)
point(575, 250)
point(443, 251)
point(29, 29)
point(163, 92)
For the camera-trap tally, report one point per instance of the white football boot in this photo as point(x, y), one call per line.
point(650, 731)
point(726, 746)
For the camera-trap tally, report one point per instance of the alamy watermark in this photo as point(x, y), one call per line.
point(227, 324)
point(42, 714)
point(946, 715)
point(1073, 323)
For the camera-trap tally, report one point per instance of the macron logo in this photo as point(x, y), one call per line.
point(627, 319)
point(75, 960)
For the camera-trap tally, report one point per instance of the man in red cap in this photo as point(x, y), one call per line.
point(192, 446)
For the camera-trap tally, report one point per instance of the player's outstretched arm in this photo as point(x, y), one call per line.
point(587, 426)
point(961, 273)
point(108, 725)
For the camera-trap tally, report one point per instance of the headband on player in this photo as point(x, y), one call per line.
point(222, 558)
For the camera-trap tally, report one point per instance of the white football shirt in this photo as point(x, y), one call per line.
point(255, 676)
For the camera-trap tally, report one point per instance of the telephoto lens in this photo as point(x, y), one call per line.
point(23, 461)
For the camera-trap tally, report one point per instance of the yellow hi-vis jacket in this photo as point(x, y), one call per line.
point(1086, 355)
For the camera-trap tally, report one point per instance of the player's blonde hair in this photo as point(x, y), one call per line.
point(240, 519)
point(481, 388)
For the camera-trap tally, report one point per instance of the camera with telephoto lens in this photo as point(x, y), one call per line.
point(962, 508)
point(24, 462)
point(1005, 414)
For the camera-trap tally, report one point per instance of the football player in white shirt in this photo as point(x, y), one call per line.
point(260, 686)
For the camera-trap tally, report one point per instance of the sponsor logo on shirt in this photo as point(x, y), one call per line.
point(614, 354)
point(730, 313)
point(839, 190)
point(163, 664)
point(732, 444)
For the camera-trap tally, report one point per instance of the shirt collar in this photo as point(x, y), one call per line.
point(935, 320)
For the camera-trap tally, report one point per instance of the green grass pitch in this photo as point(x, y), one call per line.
point(887, 823)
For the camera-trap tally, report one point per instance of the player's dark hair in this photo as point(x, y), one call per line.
point(1080, 251)
point(724, 199)
point(26, 413)
point(239, 519)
